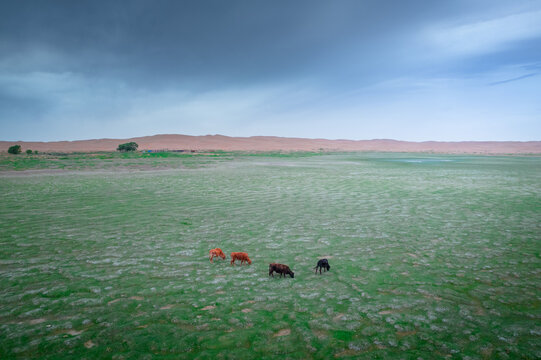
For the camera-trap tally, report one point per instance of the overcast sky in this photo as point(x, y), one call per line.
point(360, 69)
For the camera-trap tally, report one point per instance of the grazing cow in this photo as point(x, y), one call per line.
point(242, 256)
point(216, 253)
point(322, 264)
point(281, 269)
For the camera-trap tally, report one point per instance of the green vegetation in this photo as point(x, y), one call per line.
point(15, 149)
point(111, 161)
point(28, 152)
point(131, 146)
point(431, 256)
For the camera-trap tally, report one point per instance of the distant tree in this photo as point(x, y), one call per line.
point(131, 146)
point(35, 152)
point(15, 149)
point(28, 152)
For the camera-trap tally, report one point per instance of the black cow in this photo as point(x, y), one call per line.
point(322, 264)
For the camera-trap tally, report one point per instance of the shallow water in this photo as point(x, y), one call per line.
point(426, 261)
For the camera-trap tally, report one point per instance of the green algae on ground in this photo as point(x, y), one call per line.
point(431, 256)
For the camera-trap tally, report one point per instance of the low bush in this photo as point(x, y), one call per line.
point(131, 146)
point(15, 149)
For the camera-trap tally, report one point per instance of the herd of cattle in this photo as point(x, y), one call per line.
point(281, 269)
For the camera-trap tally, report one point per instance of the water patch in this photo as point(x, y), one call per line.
point(421, 160)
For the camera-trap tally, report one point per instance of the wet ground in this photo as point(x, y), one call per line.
point(431, 256)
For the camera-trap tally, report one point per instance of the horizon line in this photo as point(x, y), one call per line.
point(268, 136)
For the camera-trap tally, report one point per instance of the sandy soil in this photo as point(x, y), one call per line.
point(270, 143)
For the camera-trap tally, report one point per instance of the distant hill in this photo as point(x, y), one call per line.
point(271, 143)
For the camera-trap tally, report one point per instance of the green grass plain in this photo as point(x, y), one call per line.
point(432, 256)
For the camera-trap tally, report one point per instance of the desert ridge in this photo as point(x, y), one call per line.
point(272, 143)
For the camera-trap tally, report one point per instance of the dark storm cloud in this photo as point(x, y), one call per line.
point(213, 42)
point(209, 41)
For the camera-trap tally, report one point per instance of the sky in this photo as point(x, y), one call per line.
point(413, 70)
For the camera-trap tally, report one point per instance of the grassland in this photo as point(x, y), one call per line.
point(105, 255)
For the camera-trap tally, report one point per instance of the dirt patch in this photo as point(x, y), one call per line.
point(432, 296)
point(74, 332)
point(283, 332)
point(139, 298)
point(209, 307)
point(479, 310)
point(406, 333)
point(348, 352)
point(321, 334)
point(89, 344)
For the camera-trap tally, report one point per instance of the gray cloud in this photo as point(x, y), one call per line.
point(513, 79)
point(206, 42)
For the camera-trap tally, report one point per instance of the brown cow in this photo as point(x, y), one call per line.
point(281, 269)
point(242, 256)
point(216, 253)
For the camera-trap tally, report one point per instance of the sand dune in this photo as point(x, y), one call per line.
point(271, 143)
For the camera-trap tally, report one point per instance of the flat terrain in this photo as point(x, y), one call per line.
point(272, 143)
point(105, 256)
